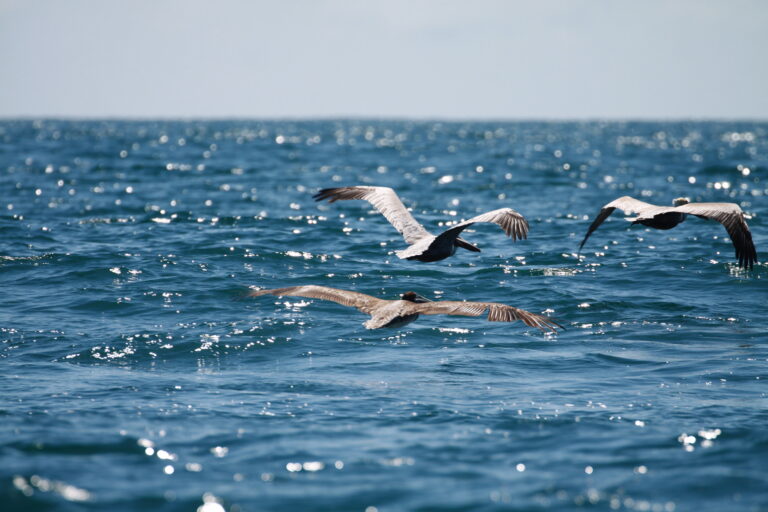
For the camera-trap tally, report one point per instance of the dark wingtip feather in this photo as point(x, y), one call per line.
point(324, 193)
point(548, 324)
point(581, 246)
point(552, 321)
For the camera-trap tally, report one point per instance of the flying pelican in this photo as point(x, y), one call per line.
point(397, 313)
point(424, 246)
point(667, 217)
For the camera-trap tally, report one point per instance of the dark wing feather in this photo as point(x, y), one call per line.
point(730, 216)
point(605, 212)
point(628, 205)
point(496, 312)
point(361, 301)
point(385, 200)
point(513, 224)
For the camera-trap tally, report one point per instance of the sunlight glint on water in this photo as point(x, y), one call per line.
point(137, 376)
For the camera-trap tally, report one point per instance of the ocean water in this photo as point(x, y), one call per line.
point(136, 377)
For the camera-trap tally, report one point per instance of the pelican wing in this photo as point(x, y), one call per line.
point(628, 205)
point(361, 301)
point(385, 200)
point(511, 222)
point(496, 312)
point(730, 216)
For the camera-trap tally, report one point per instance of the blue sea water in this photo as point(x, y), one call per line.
point(136, 377)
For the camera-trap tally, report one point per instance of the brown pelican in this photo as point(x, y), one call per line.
point(424, 246)
point(667, 217)
point(397, 313)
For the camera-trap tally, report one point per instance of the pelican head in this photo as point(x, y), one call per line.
point(414, 297)
point(680, 201)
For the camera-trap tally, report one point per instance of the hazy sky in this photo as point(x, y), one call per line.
point(395, 58)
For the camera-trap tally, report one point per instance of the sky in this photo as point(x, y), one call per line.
point(418, 59)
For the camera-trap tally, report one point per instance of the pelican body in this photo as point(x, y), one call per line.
point(662, 221)
point(423, 245)
point(435, 248)
point(666, 217)
point(397, 313)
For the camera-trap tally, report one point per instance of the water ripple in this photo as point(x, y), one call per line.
point(136, 375)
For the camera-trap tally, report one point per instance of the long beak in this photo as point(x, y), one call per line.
point(420, 299)
point(466, 245)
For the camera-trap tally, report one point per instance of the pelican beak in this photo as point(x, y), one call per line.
point(460, 242)
point(414, 297)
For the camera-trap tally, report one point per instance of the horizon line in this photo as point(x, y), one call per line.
point(445, 119)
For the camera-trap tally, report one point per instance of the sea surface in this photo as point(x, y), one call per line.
point(134, 375)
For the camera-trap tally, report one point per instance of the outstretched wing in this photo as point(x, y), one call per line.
point(385, 200)
point(730, 216)
point(361, 301)
point(496, 312)
point(628, 205)
point(511, 222)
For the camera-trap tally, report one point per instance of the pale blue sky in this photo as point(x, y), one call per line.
point(549, 59)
